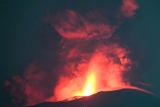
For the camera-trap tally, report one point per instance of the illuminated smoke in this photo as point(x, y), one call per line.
point(71, 25)
point(129, 8)
point(108, 63)
point(89, 53)
point(89, 58)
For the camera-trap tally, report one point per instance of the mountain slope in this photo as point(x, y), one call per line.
point(119, 98)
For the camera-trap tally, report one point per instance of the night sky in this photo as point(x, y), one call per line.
point(27, 37)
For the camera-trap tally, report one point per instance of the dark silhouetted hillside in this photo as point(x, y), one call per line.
point(120, 98)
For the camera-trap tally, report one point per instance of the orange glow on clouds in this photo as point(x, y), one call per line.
point(91, 60)
point(103, 71)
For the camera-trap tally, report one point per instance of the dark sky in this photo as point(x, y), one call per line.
point(26, 37)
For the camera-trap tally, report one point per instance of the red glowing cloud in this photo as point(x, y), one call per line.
point(72, 25)
point(129, 7)
point(90, 60)
point(103, 70)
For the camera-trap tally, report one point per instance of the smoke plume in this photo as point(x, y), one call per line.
point(88, 47)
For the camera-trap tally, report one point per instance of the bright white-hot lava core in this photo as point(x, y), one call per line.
point(92, 60)
point(90, 56)
point(90, 85)
point(103, 71)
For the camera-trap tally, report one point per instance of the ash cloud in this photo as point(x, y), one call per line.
point(129, 8)
point(71, 24)
point(82, 34)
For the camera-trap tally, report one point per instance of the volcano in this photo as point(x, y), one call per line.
point(90, 67)
point(118, 98)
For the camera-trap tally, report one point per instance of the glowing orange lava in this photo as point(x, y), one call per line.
point(90, 86)
point(102, 72)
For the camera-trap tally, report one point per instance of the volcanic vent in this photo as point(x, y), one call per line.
point(92, 59)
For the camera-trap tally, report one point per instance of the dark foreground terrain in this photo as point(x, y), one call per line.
point(120, 98)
